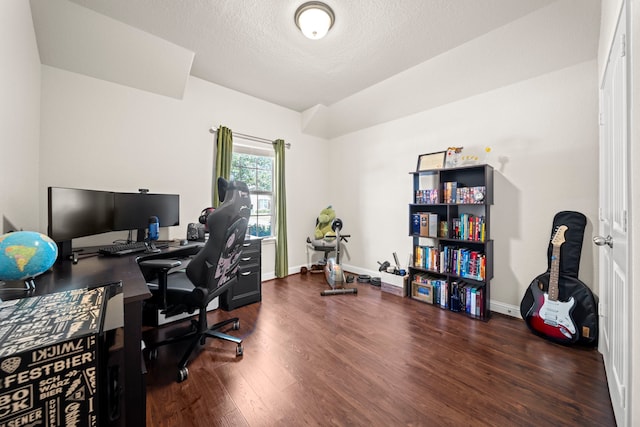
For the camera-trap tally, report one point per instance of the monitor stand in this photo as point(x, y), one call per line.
point(65, 250)
point(151, 247)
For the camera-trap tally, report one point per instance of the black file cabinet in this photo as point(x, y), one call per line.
point(249, 287)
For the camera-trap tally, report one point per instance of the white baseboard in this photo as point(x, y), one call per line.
point(296, 270)
point(496, 306)
point(507, 309)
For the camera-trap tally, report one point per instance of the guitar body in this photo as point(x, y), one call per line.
point(553, 319)
point(557, 305)
point(582, 312)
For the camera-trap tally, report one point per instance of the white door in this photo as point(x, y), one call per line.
point(613, 225)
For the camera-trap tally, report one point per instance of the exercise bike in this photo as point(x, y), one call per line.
point(333, 269)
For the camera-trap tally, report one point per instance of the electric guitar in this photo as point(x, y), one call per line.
point(548, 316)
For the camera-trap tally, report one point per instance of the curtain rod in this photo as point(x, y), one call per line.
point(250, 138)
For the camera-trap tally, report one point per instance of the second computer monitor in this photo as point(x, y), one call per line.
point(133, 210)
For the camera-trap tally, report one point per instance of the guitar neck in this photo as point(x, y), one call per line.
point(555, 272)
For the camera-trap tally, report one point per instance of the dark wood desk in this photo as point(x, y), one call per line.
point(96, 270)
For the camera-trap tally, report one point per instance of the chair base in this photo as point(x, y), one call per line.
point(199, 335)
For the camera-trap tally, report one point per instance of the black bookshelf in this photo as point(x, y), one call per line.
point(449, 222)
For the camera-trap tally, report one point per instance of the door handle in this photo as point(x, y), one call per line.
point(601, 241)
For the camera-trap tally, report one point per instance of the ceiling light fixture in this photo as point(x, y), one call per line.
point(314, 19)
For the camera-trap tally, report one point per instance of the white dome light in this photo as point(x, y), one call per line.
point(314, 19)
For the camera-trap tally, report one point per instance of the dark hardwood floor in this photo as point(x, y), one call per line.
point(374, 359)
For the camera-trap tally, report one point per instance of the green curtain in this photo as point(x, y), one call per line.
point(282, 254)
point(224, 151)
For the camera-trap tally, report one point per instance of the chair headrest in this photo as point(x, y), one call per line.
point(227, 186)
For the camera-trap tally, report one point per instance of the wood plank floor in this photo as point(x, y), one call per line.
point(374, 359)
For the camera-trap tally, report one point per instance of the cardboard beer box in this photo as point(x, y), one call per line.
point(393, 284)
point(51, 350)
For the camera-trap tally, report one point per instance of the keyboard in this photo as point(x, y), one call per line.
point(127, 248)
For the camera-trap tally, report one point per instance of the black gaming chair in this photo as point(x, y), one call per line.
point(211, 271)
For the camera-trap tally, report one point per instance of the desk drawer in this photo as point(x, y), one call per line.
point(251, 246)
point(249, 258)
point(248, 290)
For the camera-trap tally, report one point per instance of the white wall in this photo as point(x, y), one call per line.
point(100, 135)
point(559, 35)
point(544, 138)
point(19, 117)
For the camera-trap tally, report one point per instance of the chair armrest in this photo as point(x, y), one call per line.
point(161, 267)
point(161, 264)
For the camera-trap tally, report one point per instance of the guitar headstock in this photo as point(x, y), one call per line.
point(558, 237)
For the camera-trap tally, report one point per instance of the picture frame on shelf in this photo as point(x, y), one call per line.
point(452, 156)
point(474, 156)
point(431, 161)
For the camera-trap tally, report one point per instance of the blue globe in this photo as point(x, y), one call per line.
point(25, 254)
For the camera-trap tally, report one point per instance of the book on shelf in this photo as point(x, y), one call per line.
point(415, 223)
point(456, 295)
point(471, 195)
point(449, 191)
point(463, 262)
point(472, 309)
point(456, 299)
point(443, 229)
point(444, 294)
point(424, 224)
point(467, 298)
point(433, 224)
point(428, 224)
point(427, 197)
point(427, 257)
point(475, 300)
point(469, 227)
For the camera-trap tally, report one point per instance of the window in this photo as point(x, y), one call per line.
point(254, 166)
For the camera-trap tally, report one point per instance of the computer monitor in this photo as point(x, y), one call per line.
point(77, 213)
point(133, 210)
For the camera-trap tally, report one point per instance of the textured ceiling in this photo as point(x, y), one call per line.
point(254, 47)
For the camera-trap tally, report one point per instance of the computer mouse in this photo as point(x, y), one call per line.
point(184, 242)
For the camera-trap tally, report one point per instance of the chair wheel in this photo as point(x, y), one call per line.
point(236, 325)
point(239, 350)
point(153, 354)
point(203, 340)
point(183, 374)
